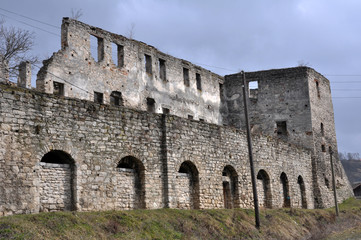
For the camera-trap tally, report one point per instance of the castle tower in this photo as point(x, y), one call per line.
point(294, 105)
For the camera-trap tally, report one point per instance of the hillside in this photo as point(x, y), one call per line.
point(187, 224)
point(352, 169)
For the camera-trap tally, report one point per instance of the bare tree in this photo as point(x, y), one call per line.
point(76, 13)
point(302, 63)
point(131, 31)
point(15, 45)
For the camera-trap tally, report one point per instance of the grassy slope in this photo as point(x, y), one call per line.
point(186, 224)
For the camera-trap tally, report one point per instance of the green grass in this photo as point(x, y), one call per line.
point(187, 224)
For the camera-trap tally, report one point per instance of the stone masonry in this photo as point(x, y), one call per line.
point(145, 130)
point(294, 105)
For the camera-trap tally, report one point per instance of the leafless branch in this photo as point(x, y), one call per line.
point(76, 13)
point(15, 45)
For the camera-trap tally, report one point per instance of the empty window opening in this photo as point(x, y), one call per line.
point(116, 98)
point(322, 130)
point(150, 105)
point(97, 48)
point(118, 55)
point(58, 88)
point(253, 89)
point(327, 183)
point(285, 190)
point(230, 187)
point(162, 70)
point(201, 120)
point(281, 128)
point(165, 110)
point(98, 97)
point(221, 91)
point(318, 88)
point(199, 82)
point(323, 148)
point(303, 191)
point(264, 183)
point(148, 63)
point(138, 189)
point(192, 190)
point(186, 76)
point(190, 117)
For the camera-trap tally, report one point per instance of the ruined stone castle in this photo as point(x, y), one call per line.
point(116, 124)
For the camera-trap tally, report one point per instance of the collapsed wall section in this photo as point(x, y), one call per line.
point(120, 158)
point(113, 69)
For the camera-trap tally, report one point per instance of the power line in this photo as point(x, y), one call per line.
point(30, 25)
point(35, 20)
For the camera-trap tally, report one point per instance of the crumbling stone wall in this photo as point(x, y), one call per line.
point(97, 138)
point(136, 70)
point(4, 70)
point(289, 105)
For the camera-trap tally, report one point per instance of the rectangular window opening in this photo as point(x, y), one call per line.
point(58, 88)
point(318, 88)
point(253, 89)
point(116, 98)
point(322, 130)
point(323, 148)
point(162, 70)
point(186, 76)
point(190, 117)
point(97, 48)
point(165, 110)
point(150, 105)
point(148, 63)
point(118, 54)
point(281, 128)
point(98, 97)
point(201, 120)
point(221, 91)
point(199, 82)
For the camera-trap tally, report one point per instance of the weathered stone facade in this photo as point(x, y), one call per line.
point(294, 105)
point(177, 162)
point(103, 134)
point(137, 71)
point(4, 71)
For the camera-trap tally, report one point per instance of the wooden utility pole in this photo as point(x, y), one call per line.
point(333, 182)
point(250, 153)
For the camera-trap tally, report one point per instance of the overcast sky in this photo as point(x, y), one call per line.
point(226, 37)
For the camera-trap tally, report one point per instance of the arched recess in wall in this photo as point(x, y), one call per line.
point(132, 170)
point(264, 184)
point(285, 190)
point(188, 186)
point(302, 191)
point(57, 177)
point(230, 187)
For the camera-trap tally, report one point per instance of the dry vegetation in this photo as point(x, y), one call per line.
point(187, 224)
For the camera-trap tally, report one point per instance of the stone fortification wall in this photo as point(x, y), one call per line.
point(294, 105)
point(120, 158)
point(139, 75)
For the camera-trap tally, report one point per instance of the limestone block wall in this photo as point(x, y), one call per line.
point(184, 194)
point(136, 70)
point(125, 191)
point(210, 148)
point(54, 187)
point(122, 158)
point(294, 105)
point(324, 139)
